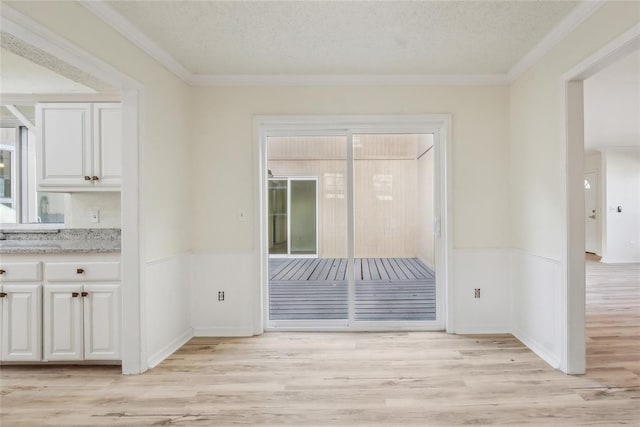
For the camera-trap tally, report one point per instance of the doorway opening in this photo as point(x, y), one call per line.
point(368, 242)
point(578, 222)
point(293, 213)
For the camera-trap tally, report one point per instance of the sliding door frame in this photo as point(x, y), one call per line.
point(346, 126)
point(289, 179)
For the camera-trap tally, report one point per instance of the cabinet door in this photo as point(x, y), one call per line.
point(1, 318)
point(64, 149)
point(107, 144)
point(63, 322)
point(21, 322)
point(102, 322)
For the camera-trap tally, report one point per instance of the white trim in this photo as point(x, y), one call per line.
point(21, 117)
point(236, 331)
point(349, 80)
point(132, 253)
point(578, 15)
point(29, 31)
point(360, 327)
point(132, 33)
point(170, 348)
point(351, 230)
point(162, 259)
point(537, 348)
point(490, 328)
point(437, 124)
point(289, 179)
point(623, 45)
point(33, 99)
point(572, 299)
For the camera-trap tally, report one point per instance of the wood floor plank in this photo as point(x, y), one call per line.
point(355, 379)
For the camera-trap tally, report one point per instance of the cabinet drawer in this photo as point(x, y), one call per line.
point(20, 272)
point(82, 271)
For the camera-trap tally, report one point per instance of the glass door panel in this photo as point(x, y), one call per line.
point(278, 217)
point(393, 222)
point(309, 286)
point(303, 202)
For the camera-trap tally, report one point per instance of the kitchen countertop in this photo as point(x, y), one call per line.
point(59, 246)
point(72, 240)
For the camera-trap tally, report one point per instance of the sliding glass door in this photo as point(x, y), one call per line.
point(307, 231)
point(351, 230)
point(393, 228)
point(293, 213)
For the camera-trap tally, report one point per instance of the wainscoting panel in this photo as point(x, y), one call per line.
point(536, 310)
point(235, 274)
point(167, 295)
point(488, 271)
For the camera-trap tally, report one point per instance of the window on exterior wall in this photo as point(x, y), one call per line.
point(20, 202)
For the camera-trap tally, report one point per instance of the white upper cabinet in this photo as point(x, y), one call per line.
point(107, 143)
point(79, 146)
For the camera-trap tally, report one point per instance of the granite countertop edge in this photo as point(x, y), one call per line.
point(72, 241)
point(27, 251)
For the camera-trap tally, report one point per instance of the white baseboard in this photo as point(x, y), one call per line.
point(242, 331)
point(619, 261)
point(538, 349)
point(483, 329)
point(170, 348)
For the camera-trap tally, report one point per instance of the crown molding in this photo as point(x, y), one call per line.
point(32, 99)
point(129, 31)
point(132, 33)
point(349, 80)
point(577, 16)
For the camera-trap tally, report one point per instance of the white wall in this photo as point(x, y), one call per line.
point(612, 105)
point(537, 171)
point(223, 176)
point(165, 180)
point(621, 230)
point(79, 206)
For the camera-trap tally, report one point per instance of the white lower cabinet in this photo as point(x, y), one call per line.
point(102, 322)
point(60, 308)
point(82, 322)
point(21, 320)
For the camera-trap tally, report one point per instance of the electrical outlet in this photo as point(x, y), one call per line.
point(220, 295)
point(476, 293)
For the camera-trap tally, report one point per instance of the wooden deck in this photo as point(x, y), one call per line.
point(386, 289)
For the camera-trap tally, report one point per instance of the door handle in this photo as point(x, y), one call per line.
point(592, 216)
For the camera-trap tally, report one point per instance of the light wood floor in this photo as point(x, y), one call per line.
point(355, 378)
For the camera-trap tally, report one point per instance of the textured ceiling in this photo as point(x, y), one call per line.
point(612, 105)
point(345, 37)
